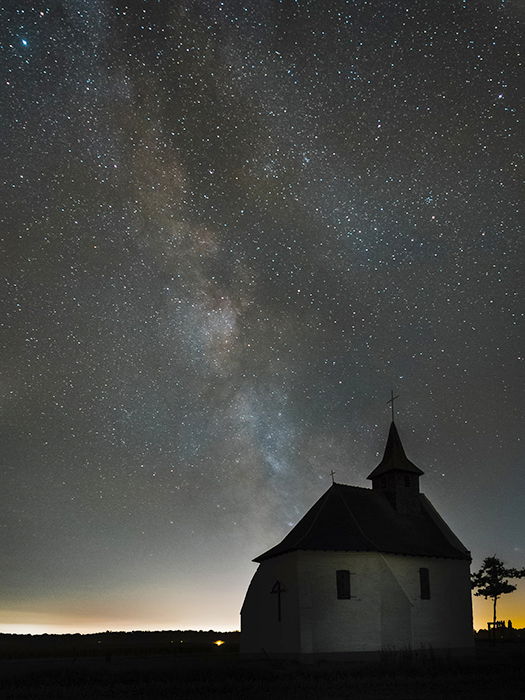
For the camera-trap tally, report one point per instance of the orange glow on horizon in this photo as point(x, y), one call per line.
point(510, 608)
point(100, 628)
point(154, 611)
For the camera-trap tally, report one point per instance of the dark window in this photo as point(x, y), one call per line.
point(343, 584)
point(407, 480)
point(424, 583)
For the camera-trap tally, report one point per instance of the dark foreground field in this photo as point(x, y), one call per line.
point(496, 673)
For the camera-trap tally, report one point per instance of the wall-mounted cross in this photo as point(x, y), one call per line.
point(391, 402)
point(278, 589)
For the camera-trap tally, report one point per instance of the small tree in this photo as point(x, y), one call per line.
point(491, 580)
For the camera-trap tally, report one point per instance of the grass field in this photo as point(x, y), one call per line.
point(496, 673)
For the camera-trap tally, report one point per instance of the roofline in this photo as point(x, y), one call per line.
point(385, 470)
point(259, 560)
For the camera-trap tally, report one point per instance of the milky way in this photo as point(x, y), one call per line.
point(229, 229)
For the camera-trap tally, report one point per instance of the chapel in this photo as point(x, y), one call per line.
point(364, 571)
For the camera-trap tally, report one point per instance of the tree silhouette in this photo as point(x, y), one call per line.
point(491, 580)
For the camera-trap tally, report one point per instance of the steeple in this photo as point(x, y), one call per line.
point(396, 476)
point(394, 457)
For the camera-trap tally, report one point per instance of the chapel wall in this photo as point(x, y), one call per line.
point(261, 630)
point(385, 611)
point(445, 619)
point(329, 624)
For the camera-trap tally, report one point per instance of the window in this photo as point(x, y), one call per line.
point(424, 583)
point(342, 578)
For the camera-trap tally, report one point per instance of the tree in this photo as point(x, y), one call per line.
point(491, 580)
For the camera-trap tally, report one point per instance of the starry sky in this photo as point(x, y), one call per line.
point(228, 230)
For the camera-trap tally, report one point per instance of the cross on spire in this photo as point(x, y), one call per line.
point(332, 475)
point(391, 402)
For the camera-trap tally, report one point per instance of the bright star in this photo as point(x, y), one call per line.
point(24, 42)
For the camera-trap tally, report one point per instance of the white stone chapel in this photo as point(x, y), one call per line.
point(365, 570)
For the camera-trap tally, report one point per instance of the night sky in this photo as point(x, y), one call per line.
point(228, 230)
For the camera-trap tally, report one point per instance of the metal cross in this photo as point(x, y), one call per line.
point(332, 475)
point(391, 402)
point(278, 589)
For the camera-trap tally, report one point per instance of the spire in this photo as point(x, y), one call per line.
point(397, 477)
point(394, 458)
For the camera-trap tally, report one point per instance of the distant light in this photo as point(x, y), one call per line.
point(24, 42)
point(219, 643)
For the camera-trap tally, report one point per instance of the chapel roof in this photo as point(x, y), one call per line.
point(394, 458)
point(353, 519)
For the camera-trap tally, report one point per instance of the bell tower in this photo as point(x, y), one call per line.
point(396, 476)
